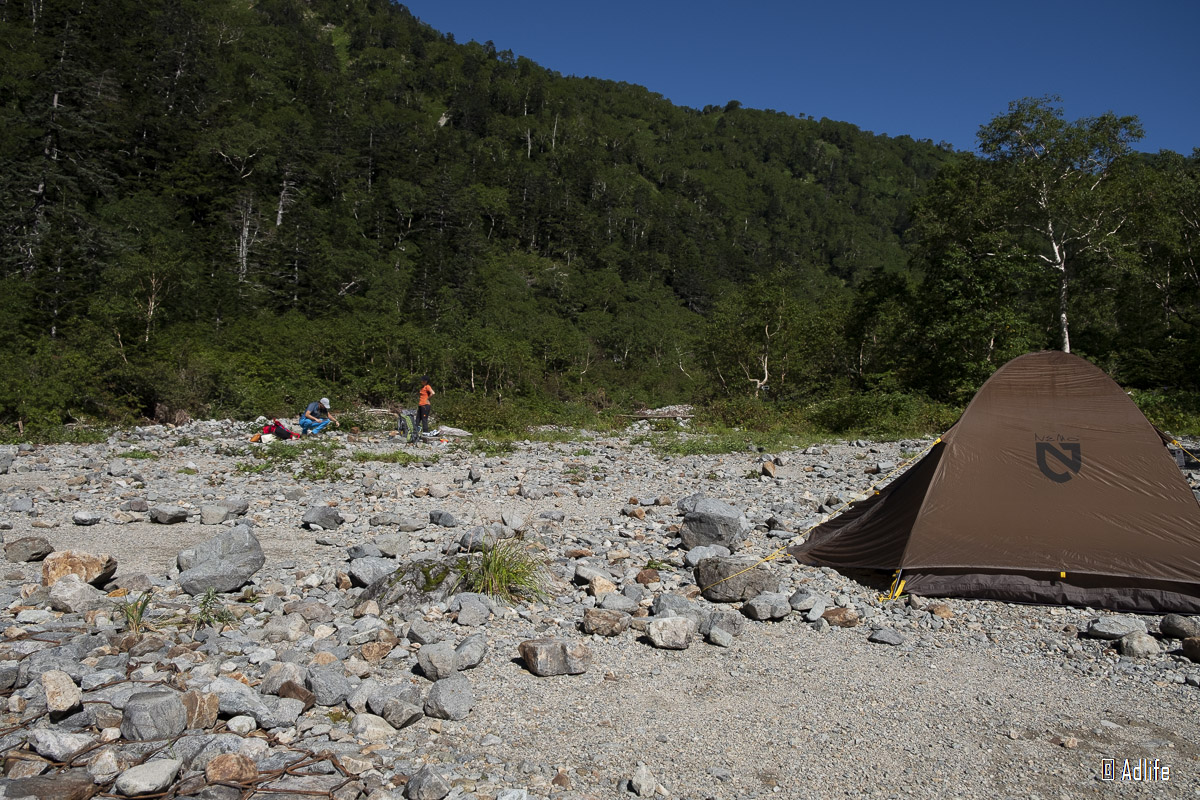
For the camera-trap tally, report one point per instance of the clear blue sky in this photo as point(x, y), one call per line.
point(931, 70)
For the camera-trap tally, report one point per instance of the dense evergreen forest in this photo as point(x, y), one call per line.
point(215, 207)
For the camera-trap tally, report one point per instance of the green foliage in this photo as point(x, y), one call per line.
point(210, 611)
point(134, 612)
point(493, 448)
point(317, 469)
point(884, 415)
point(1176, 412)
point(335, 199)
point(506, 570)
point(401, 457)
point(139, 454)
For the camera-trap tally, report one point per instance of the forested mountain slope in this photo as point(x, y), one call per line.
point(217, 206)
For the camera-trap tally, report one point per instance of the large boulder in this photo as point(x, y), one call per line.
point(547, 657)
point(1115, 626)
point(224, 563)
point(732, 579)
point(90, 568)
point(1178, 626)
point(326, 518)
point(711, 522)
point(414, 583)
point(168, 515)
point(28, 548)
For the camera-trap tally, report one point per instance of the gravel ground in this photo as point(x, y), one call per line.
point(995, 700)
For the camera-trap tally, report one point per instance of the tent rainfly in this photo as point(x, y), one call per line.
point(1051, 488)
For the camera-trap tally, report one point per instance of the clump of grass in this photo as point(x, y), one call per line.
point(186, 441)
point(134, 612)
point(317, 469)
point(493, 448)
point(54, 434)
point(210, 610)
point(505, 571)
point(246, 468)
point(395, 457)
point(186, 471)
point(144, 454)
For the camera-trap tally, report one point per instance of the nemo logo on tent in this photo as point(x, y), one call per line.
point(1066, 454)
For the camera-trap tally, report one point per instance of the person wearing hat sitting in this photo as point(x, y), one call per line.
point(316, 417)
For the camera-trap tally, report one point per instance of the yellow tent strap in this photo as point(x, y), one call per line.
point(1184, 449)
point(834, 513)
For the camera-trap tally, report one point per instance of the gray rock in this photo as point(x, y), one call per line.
point(365, 571)
point(1114, 627)
point(616, 601)
point(86, 518)
point(719, 637)
point(767, 606)
point(57, 745)
point(427, 784)
point(280, 673)
point(7, 454)
point(371, 728)
point(324, 517)
point(712, 522)
point(476, 540)
point(472, 610)
point(1138, 645)
point(805, 599)
point(450, 698)
point(400, 713)
point(27, 548)
point(363, 550)
point(889, 636)
point(411, 524)
point(698, 554)
point(548, 657)
point(1177, 626)
point(71, 595)
point(671, 633)
point(156, 714)
point(288, 628)
point(470, 652)
point(734, 578)
point(414, 584)
point(329, 684)
point(392, 545)
point(642, 782)
point(442, 518)
point(149, 778)
point(604, 622)
point(214, 514)
point(168, 515)
point(727, 620)
point(224, 563)
point(438, 661)
point(236, 699)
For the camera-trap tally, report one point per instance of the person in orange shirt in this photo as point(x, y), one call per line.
point(423, 405)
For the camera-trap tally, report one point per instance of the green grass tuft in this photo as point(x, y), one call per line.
point(401, 457)
point(506, 571)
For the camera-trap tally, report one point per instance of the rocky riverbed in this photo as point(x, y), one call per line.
point(278, 656)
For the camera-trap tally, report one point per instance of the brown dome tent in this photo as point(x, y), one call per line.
point(1051, 488)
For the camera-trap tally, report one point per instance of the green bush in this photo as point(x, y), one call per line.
point(881, 415)
point(1176, 412)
